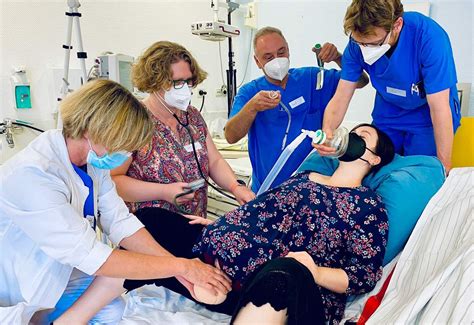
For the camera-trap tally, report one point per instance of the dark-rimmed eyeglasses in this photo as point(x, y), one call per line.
point(373, 44)
point(178, 84)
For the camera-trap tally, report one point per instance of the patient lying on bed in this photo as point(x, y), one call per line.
point(333, 229)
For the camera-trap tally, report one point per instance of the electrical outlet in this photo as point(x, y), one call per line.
point(222, 91)
point(251, 15)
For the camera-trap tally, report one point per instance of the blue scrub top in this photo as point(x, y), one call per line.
point(422, 63)
point(268, 129)
point(88, 210)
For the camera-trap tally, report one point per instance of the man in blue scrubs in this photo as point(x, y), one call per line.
point(410, 62)
point(270, 126)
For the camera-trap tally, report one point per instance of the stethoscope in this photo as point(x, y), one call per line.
point(186, 126)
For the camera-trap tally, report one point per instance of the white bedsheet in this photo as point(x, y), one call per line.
point(157, 305)
point(433, 282)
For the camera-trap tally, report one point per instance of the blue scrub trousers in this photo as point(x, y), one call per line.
point(412, 142)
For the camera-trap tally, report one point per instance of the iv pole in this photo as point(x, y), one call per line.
point(231, 71)
point(72, 15)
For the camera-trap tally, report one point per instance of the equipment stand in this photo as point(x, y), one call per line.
point(231, 72)
point(72, 15)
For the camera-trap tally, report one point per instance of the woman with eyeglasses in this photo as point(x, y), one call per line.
point(411, 66)
point(155, 178)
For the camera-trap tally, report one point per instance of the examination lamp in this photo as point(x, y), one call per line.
point(218, 31)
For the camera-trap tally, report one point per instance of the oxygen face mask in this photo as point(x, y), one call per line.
point(339, 141)
point(349, 146)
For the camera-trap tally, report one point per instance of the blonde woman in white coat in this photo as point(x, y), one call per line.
point(54, 195)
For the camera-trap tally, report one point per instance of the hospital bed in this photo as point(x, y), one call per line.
point(432, 279)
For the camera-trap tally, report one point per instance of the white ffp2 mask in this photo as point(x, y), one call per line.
point(277, 68)
point(179, 98)
point(372, 54)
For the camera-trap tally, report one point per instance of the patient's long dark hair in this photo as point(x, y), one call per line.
point(384, 147)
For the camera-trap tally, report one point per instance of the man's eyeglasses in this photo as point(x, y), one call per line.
point(373, 44)
point(178, 84)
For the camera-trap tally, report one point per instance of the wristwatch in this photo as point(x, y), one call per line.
point(241, 182)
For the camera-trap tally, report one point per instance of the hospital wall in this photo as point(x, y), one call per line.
point(32, 34)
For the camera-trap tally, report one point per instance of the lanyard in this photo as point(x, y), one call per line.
point(88, 210)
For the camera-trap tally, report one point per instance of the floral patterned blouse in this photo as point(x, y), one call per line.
point(339, 227)
point(170, 159)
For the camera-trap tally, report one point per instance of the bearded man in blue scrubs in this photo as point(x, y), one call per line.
point(274, 122)
point(410, 62)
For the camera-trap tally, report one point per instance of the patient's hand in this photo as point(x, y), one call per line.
point(197, 220)
point(305, 259)
point(334, 279)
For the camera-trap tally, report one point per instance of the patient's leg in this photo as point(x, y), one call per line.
point(264, 315)
point(266, 298)
point(174, 233)
point(98, 295)
point(283, 291)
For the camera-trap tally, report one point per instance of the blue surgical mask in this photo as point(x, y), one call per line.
point(107, 161)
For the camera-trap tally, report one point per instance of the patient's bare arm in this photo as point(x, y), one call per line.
point(330, 278)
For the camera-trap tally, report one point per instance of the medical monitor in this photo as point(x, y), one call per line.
point(117, 67)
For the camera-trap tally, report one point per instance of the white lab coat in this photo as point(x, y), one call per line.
point(43, 233)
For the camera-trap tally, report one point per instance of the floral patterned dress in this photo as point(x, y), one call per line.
point(339, 227)
point(170, 159)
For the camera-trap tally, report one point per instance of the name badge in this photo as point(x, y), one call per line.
point(396, 92)
point(189, 147)
point(297, 102)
